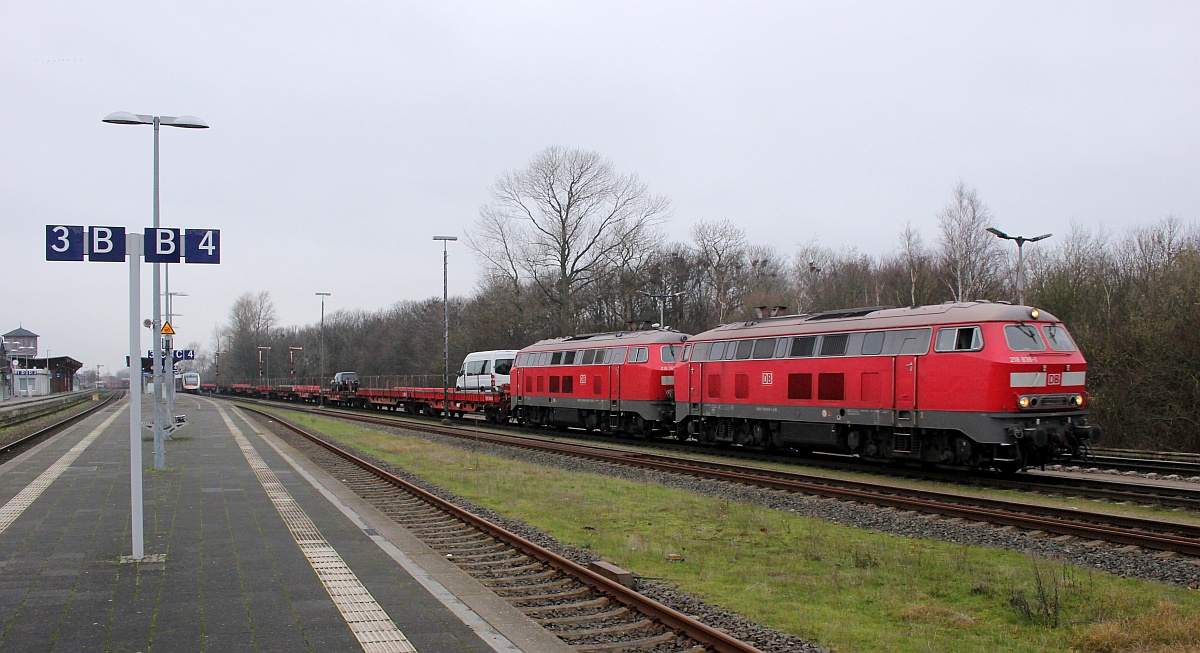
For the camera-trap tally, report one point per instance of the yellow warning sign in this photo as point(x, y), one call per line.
point(167, 330)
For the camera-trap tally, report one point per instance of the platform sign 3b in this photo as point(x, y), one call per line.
point(75, 243)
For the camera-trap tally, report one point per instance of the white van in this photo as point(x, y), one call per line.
point(485, 370)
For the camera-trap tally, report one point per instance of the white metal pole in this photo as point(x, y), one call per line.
point(160, 458)
point(133, 246)
point(446, 332)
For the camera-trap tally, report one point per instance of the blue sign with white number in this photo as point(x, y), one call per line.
point(106, 244)
point(202, 245)
point(64, 242)
point(75, 243)
point(162, 245)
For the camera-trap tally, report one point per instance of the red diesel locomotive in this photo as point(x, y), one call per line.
point(965, 385)
point(619, 381)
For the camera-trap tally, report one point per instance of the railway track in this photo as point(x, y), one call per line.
point(7, 421)
point(589, 611)
point(1089, 526)
point(1129, 463)
point(12, 447)
point(1103, 487)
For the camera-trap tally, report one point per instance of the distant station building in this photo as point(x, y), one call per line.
point(26, 375)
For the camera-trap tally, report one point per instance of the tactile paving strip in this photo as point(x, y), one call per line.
point(367, 620)
point(26, 497)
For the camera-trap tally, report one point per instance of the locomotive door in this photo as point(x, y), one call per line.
point(695, 391)
point(614, 388)
point(904, 396)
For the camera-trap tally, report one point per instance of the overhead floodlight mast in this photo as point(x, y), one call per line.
point(187, 122)
point(1020, 241)
point(321, 384)
point(446, 326)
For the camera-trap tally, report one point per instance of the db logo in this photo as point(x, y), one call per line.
point(1054, 379)
point(768, 378)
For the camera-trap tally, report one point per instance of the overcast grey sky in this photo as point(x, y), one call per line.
point(345, 135)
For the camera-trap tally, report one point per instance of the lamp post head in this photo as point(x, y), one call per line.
point(445, 237)
point(999, 234)
point(127, 118)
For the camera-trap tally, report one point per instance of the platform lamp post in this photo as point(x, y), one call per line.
point(186, 122)
point(261, 348)
point(662, 298)
point(446, 325)
point(292, 363)
point(321, 381)
point(1020, 241)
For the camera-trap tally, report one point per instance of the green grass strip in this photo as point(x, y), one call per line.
point(844, 588)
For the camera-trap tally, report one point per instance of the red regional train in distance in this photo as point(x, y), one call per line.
point(971, 385)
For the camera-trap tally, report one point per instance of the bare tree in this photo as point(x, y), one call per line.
point(562, 222)
point(250, 320)
point(969, 255)
point(722, 256)
point(915, 259)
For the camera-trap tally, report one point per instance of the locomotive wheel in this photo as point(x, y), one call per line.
point(758, 434)
point(1007, 467)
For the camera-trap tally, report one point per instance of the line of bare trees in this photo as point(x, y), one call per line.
point(568, 245)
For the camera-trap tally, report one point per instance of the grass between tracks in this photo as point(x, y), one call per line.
point(845, 588)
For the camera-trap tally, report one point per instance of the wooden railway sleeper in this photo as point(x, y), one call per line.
point(483, 564)
point(601, 602)
point(493, 582)
point(647, 643)
point(507, 571)
point(617, 629)
point(554, 584)
point(477, 552)
point(577, 592)
point(583, 618)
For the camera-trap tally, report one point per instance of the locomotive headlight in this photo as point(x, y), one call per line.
point(1077, 400)
point(1023, 402)
point(1035, 313)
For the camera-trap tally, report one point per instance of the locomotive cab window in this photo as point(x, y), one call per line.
point(687, 353)
point(872, 343)
point(1058, 338)
point(764, 348)
point(959, 339)
point(834, 345)
point(717, 351)
point(1023, 337)
point(744, 349)
point(803, 346)
point(668, 353)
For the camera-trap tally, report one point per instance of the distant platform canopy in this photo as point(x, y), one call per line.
point(62, 370)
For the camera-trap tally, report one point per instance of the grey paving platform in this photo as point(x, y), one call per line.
point(234, 578)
